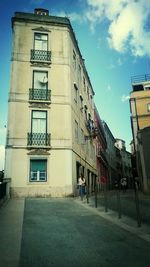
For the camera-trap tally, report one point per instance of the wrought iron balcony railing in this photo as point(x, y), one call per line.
point(38, 139)
point(39, 94)
point(140, 78)
point(101, 154)
point(40, 56)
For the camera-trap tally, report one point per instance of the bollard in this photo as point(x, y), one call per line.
point(87, 193)
point(95, 195)
point(137, 204)
point(105, 198)
point(119, 203)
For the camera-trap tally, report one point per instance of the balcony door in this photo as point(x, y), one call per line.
point(40, 85)
point(41, 41)
point(40, 80)
point(39, 122)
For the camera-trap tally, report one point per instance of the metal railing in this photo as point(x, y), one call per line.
point(140, 78)
point(102, 154)
point(38, 139)
point(39, 94)
point(40, 55)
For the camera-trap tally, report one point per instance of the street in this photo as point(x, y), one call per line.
point(63, 232)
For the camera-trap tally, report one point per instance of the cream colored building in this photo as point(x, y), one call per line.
point(140, 122)
point(51, 112)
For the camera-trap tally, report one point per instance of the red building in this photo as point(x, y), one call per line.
point(100, 145)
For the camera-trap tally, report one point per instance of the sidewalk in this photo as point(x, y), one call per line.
point(124, 222)
point(11, 220)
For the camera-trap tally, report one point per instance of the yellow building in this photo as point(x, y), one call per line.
point(51, 111)
point(140, 121)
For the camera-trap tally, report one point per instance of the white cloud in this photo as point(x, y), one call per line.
point(2, 157)
point(125, 98)
point(127, 23)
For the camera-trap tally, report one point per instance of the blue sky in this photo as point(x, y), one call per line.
point(114, 39)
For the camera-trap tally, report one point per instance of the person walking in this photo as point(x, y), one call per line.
point(124, 184)
point(81, 183)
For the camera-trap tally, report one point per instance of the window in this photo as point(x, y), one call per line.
point(81, 103)
point(41, 41)
point(84, 86)
point(39, 121)
point(79, 74)
point(148, 107)
point(82, 137)
point(38, 135)
point(74, 59)
point(40, 80)
point(75, 93)
point(76, 130)
point(38, 170)
point(85, 112)
point(147, 87)
point(88, 92)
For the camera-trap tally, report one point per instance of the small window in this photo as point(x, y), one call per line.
point(38, 170)
point(74, 59)
point(40, 41)
point(82, 137)
point(84, 86)
point(79, 74)
point(40, 79)
point(85, 112)
point(75, 93)
point(148, 107)
point(76, 130)
point(39, 121)
point(81, 103)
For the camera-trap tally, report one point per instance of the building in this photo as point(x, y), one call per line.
point(110, 155)
point(140, 123)
point(125, 168)
point(51, 110)
point(100, 147)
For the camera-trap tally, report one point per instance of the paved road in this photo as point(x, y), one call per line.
point(65, 232)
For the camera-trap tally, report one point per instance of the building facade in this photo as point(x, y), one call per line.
point(100, 148)
point(51, 110)
point(140, 123)
point(110, 155)
point(125, 169)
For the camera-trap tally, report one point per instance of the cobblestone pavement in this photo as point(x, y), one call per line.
point(66, 232)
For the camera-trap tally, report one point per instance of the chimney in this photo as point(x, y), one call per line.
point(41, 12)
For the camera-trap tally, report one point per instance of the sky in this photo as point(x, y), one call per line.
point(114, 40)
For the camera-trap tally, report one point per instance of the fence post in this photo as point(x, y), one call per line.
point(119, 203)
point(105, 198)
point(137, 203)
point(96, 195)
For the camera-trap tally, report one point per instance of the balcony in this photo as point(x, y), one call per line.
point(40, 56)
point(39, 95)
point(102, 155)
point(38, 139)
point(140, 78)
